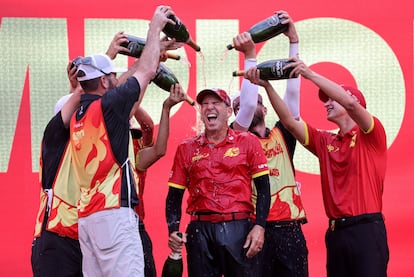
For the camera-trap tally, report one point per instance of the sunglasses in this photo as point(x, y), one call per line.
point(87, 61)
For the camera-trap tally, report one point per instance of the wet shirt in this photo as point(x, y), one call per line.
point(218, 176)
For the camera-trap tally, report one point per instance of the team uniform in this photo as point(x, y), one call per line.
point(218, 179)
point(150, 270)
point(352, 169)
point(55, 249)
point(103, 161)
point(284, 252)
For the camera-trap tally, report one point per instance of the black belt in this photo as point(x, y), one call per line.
point(339, 223)
point(286, 223)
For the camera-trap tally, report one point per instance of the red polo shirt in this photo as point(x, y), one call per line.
point(218, 177)
point(352, 168)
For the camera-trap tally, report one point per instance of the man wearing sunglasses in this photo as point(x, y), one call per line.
point(103, 157)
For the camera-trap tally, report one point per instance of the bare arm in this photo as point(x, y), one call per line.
point(147, 125)
point(71, 105)
point(335, 92)
point(150, 155)
point(148, 63)
point(293, 126)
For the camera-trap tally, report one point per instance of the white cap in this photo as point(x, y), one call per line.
point(95, 66)
point(61, 102)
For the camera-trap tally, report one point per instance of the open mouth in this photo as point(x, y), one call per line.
point(211, 117)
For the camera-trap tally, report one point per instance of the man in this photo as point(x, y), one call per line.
point(103, 158)
point(55, 248)
point(217, 168)
point(352, 166)
point(285, 252)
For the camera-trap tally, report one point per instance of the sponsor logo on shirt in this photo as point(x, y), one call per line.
point(232, 152)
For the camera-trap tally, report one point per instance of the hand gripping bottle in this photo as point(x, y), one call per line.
point(179, 32)
point(136, 45)
point(271, 70)
point(266, 29)
point(173, 265)
point(164, 79)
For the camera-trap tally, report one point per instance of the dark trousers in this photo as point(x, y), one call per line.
point(54, 255)
point(357, 246)
point(216, 249)
point(284, 253)
point(149, 269)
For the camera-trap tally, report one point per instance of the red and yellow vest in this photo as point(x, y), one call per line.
point(96, 169)
point(285, 202)
point(63, 215)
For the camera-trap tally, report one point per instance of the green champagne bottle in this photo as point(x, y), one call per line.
point(266, 29)
point(136, 45)
point(179, 32)
point(271, 70)
point(173, 265)
point(164, 79)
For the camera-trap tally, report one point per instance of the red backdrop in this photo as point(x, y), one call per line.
point(366, 43)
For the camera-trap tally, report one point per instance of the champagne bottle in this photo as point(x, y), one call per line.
point(266, 29)
point(136, 45)
point(164, 79)
point(179, 32)
point(173, 265)
point(271, 70)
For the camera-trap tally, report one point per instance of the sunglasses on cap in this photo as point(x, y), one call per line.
point(89, 62)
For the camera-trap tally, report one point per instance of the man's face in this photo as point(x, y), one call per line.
point(214, 113)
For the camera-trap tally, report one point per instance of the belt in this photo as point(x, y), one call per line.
point(287, 223)
point(215, 217)
point(343, 222)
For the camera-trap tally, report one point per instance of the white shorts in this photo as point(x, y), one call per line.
point(110, 244)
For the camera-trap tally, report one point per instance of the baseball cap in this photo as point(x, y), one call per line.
point(61, 102)
point(95, 66)
point(351, 90)
point(214, 91)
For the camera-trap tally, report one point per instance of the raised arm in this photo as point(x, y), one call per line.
point(335, 92)
point(293, 126)
point(147, 125)
point(292, 94)
point(149, 60)
point(249, 91)
point(149, 155)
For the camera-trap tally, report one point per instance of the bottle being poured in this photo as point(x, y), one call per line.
point(180, 32)
point(266, 29)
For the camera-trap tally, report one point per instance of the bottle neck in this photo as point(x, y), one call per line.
point(193, 45)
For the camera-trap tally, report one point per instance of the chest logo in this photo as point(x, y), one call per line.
point(232, 152)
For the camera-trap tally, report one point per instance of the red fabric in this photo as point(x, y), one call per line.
point(218, 177)
point(352, 169)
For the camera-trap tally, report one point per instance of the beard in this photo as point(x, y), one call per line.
point(111, 84)
point(258, 118)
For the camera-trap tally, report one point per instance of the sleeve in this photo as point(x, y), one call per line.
point(173, 208)
point(178, 175)
point(262, 185)
point(292, 94)
point(120, 100)
point(248, 98)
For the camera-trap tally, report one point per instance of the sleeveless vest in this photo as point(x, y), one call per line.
point(285, 202)
point(63, 215)
point(96, 169)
